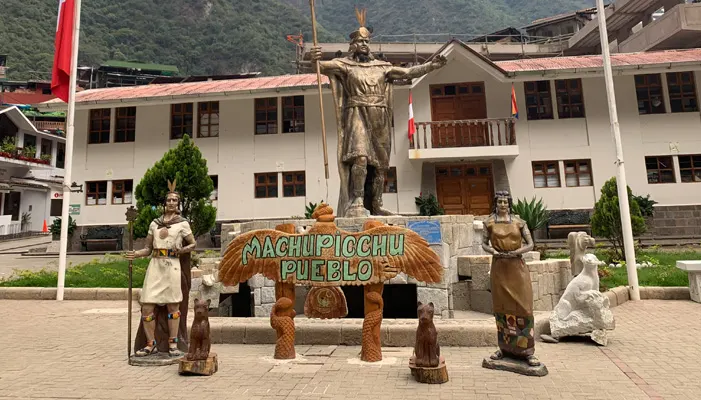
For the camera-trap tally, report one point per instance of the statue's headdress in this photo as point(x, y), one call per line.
point(362, 32)
point(171, 187)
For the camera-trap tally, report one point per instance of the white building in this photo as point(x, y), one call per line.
point(31, 169)
point(261, 136)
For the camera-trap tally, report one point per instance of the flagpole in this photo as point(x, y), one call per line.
point(69, 155)
point(621, 179)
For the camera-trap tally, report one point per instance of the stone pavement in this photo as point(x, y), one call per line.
point(77, 349)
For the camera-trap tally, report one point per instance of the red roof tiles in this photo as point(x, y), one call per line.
point(199, 88)
point(596, 61)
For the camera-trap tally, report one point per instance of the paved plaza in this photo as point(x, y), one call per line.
point(77, 350)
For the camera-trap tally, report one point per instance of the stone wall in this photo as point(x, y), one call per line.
point(461, 235)
point(675, 221)
point(549, 279)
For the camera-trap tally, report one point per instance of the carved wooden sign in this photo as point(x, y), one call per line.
point(328, 256)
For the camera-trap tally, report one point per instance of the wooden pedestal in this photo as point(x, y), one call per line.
point(437, 374)
point(199, 367)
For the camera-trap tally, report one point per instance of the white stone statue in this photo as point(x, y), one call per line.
point(578, 243)
point(582, 310)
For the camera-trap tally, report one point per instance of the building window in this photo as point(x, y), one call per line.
point(208, 119)
point(266, 116)
point(690, 168)
point(266, 185)
point(659, 170)
point(546, 174)
point(61, 155)
point(99, 131)
point(539, 102)
point(293, 114)
point(293, 184)
point(648, 89)
point(570, 99)
point(391, 180)
point(180, 120)
point(122, 191)
point(56, 207)
point(12, 204)
point(578, 173)
point(126, 125)
point(46, 147)
point(682, 92)
point(215, 193)
point(30, 140)
point(96, 193)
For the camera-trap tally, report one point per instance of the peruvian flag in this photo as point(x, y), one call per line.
point(412, 126)
point(61, 72)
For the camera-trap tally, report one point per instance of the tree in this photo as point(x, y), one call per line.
point(185, 165)
point(606, 220)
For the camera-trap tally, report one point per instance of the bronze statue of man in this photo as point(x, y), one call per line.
point(362, 88)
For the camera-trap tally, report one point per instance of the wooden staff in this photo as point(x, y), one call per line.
point(131, 217)
point(321, 100)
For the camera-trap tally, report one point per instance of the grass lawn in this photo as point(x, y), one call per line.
point(664, 273)
point(109, 272)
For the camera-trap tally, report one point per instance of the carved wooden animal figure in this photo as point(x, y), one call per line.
point(581, 288)
point(427, 350)
point(371, 350)
point(199, 333)
point(282, 320)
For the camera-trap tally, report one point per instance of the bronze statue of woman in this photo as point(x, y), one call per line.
point(512, 294)
point(167, 282)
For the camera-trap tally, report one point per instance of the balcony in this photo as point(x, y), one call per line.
point(465, 139)
point(50, 125)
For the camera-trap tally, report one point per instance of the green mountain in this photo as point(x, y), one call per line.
point(230, 36)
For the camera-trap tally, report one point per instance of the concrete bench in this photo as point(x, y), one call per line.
point(694, 270)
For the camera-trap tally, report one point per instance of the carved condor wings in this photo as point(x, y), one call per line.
point(388, 249)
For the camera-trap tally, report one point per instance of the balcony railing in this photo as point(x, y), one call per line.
point(50, 125)
point(464, 133)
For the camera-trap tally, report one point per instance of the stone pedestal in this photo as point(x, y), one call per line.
point(199, 367)
point(433, 375)
point(515, 365)
point(693, 268)
point(154, 360)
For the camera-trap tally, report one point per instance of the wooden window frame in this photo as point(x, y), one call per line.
point(681, 95)
point(296, 120)
point(569, 92)
point(267, 184)
point(693, 169)
point(97, 193)
point(543, 99)
point(659, 169)
point(646, 86)
point(294, 183)
point(103, 134)
point(545, 173)
point(577, 172)
point(268, 105)
point(183, 113)
point(391, 176)
point(128, 133)
point(209, 110)
point(124, 190)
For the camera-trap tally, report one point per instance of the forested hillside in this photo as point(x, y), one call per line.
point(229, 36)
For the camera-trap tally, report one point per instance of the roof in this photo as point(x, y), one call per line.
point(196, 88)
point(24, 98)
point(142, 66)
point(596, 61)
point(21, 121)
point(558, 17)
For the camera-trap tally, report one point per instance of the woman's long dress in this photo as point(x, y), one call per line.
point(512, 294)
point(167, 281)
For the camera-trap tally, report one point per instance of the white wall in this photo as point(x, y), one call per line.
point(39, 200)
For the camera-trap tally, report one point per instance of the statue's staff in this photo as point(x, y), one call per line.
point(131, 217)
point(321, 100)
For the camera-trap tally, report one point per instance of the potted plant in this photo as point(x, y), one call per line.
point(9, 146)
point(46, 158)
point(55, 229)
point(29, 151)
point(26, 220)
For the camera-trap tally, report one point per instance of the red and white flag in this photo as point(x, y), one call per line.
point(61, 72)
point(412, 126)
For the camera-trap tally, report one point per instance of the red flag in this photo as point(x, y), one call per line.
point(61, 72)
point(514, 106)
point(412, 126)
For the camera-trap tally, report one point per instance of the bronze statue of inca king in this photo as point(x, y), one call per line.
point(362, 89)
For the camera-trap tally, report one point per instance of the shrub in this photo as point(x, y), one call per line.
point(646, 205)
point(533, 213)
point(606, 220)
point(429, 205)
point(55, 227)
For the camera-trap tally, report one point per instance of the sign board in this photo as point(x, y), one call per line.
point(56, 195)
point(74, 209)
point(429, 230)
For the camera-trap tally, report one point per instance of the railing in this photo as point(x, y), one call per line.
point(50, 125)
point(464, 133)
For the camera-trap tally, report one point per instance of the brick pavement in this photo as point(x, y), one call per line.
point(68, 350)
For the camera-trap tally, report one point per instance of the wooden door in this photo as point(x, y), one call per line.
point(465, 188)
point(458, 102)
